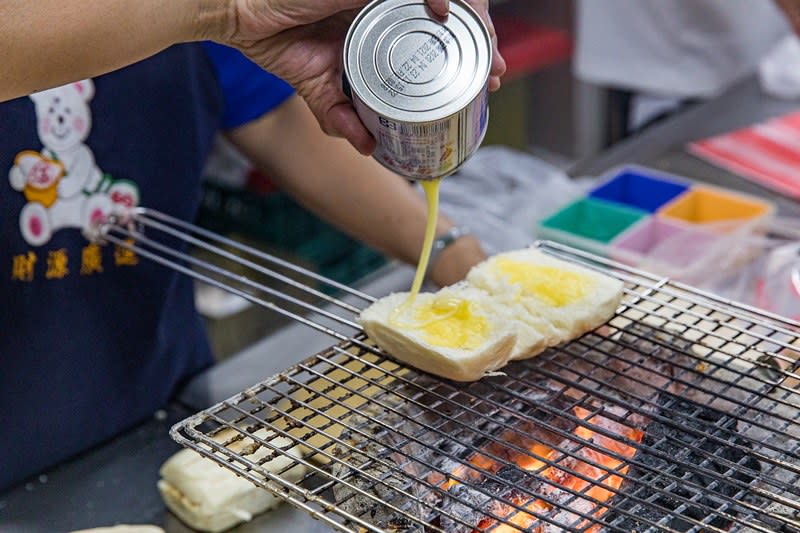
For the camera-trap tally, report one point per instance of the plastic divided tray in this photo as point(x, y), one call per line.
point(662, 223)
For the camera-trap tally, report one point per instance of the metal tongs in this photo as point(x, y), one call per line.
point(163, 239)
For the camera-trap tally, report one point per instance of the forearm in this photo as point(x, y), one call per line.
point(47, 43)
point(352, 191)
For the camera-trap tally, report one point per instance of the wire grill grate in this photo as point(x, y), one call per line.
point(682, 413)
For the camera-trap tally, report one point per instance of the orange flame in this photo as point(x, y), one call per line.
point(594, 484)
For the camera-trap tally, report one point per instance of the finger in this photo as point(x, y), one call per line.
point(498, 61)
point(487, 19)
point(482, 9)
point(343, 121)
point(440, 7)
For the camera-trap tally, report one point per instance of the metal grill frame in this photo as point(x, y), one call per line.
point(748, 359)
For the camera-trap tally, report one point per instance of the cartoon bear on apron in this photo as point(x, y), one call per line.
point(62, 183)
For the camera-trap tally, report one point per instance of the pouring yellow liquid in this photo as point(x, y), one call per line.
point(431, 189)
point(444, 320)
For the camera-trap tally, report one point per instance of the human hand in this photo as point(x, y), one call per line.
point(302, 41)
point(498, 63)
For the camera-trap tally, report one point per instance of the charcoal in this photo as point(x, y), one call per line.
point(677, 444)
point(448, 426)
point(466, 504)
point(785, 515)
point(629, 366)
point(376, 473)
point(512, 476)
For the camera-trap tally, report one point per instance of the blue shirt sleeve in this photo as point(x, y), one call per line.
point(248, 90)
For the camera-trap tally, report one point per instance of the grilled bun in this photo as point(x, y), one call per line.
point(210, 498)
point(563, 300)
point(458, 333)
point(512, 306)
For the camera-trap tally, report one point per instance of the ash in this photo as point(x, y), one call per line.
point(393, 473)
point(376, 476)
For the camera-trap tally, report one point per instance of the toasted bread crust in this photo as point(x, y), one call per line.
point(523, 325)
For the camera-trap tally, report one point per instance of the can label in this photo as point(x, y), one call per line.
point(426, 150)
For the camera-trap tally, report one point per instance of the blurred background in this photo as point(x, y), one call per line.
point(590, 87)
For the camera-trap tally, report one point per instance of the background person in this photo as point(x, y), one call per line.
point(655, 55)
point(93, 340)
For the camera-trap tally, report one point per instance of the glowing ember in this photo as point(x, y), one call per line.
point(594, 475)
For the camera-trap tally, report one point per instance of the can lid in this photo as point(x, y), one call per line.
point(405, 63)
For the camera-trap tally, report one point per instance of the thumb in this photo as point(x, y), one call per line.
point(343, 121)
point(440, 7)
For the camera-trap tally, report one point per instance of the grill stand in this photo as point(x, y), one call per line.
point(666, 338)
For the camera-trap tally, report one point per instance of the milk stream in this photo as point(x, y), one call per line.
point(431, 188)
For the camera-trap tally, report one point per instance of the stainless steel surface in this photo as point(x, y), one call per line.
point(436, 67)
point(116, 484)
point(110, 484)
point(285, 347)
point(159, 238)
point(419, 83)
point(382, 438)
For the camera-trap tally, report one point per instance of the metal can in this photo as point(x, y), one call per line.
point(420, 84)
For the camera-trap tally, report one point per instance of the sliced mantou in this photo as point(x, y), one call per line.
point(458, 333)
point(563, 300)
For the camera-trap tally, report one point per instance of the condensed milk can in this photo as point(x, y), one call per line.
point(420, 84)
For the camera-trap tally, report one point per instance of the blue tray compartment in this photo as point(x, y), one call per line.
point(637, 190)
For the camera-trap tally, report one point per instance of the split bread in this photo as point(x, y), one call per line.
point(208, 497)
point(458, 332)
point(512, 306)
point(562, 300)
